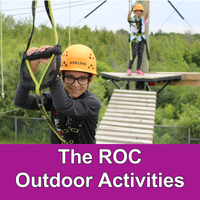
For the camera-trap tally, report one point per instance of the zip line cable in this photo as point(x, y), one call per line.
point(169, 16)
point(11, 75)
point(37, 7)
point(2, 94)
point(90, 13)
point(181, 15)
point(10, 111)
point(55, 8)
point(68, 7)
point(175, 9)
point(95, 9)
point(84, 17)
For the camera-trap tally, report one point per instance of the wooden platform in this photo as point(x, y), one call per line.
point(129, 118)
point(187, 79)
point(158, 78)
point(146, 78)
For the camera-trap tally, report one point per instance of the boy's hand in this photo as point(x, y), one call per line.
point(35, 63)
point(43, 49)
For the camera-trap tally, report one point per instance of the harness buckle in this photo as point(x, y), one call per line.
point(71, 141)
point(74, 130)
point(65, 130)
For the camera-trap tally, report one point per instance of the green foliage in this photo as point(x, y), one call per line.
point(24, 130)
point(170, 135)
point(196, 57)
point(103, 67)
point(190, 117)
point(176, 106)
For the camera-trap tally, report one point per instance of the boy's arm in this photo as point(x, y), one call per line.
point(23, 99)
point(28, 101)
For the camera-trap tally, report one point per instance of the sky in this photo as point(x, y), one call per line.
point(112, 15)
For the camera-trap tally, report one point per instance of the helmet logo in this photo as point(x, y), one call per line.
point(77, 63)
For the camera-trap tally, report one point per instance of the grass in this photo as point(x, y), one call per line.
point(17, 142)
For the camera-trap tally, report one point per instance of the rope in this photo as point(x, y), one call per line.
point(38, 6)
point(2, 94)
point(10, 111)
point(169, 17)
point(84, 17)
point(175, 9)
point(55, 8)
point(190, 26)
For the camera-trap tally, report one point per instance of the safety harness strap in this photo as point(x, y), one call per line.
point(68, 128)
point(52, 53)
point(50, 15)
point(130, 48)
point(34, 6)
point(47, 118)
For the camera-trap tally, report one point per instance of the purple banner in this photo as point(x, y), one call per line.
point(99, 172)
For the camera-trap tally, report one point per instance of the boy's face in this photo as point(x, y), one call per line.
point(75, 89)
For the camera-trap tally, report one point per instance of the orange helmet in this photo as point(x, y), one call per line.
point(139, 7)
point(78, 57)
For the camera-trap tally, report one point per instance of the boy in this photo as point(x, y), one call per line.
point(74, 110)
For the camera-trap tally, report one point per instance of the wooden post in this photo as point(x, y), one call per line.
point(145, 62)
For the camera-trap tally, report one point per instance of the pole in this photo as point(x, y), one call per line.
point(2, 94)
point(15, 128)
point(188, 135)
point(145, 62)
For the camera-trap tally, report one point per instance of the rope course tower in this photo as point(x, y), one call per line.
point(130, 115)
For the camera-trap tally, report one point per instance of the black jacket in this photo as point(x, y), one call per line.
point(84, 109)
